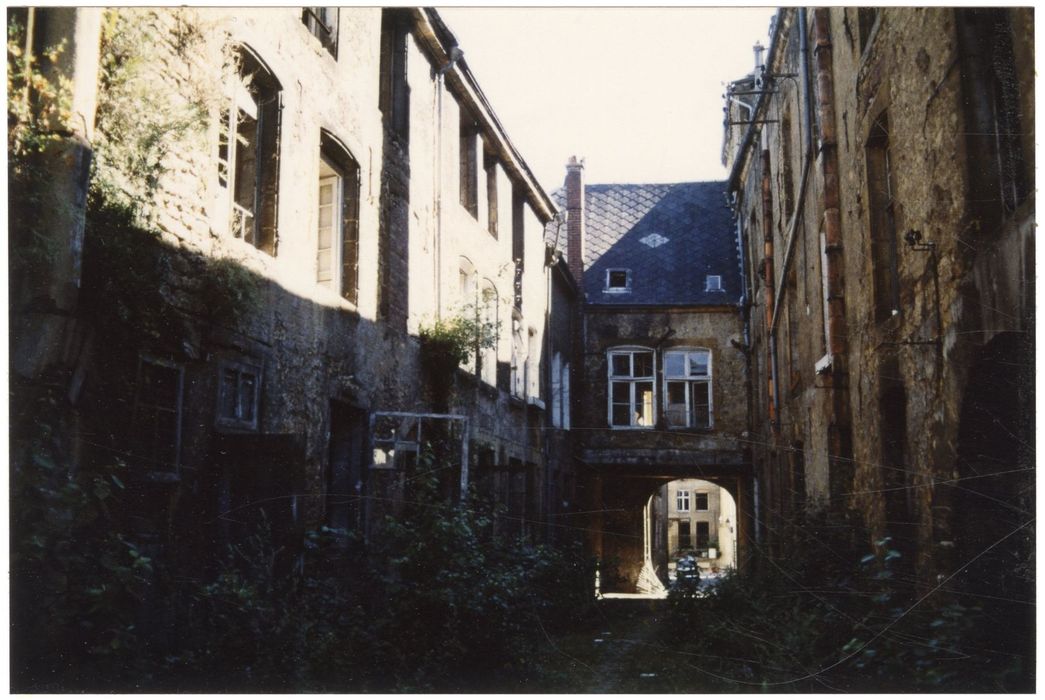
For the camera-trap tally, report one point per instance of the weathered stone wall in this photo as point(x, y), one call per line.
point(312, 347)
point(906, 373)
point(693, 328)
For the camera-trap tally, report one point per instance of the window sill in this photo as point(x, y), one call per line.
point(632, 427)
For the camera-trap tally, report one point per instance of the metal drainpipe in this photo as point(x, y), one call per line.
point(769, 283)
point(803, 53)
point(835, 331)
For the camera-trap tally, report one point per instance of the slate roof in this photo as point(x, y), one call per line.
point(669, 236)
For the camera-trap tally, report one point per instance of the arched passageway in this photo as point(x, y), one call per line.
point(633, 523)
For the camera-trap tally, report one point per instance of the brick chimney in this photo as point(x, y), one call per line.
point(575, 218)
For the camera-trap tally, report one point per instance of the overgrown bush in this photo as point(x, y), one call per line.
point(437, 604)
point(828, 619)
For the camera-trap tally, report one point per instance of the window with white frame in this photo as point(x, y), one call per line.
point(682, 501)
point(701, 501)
point(556, 377)
point(618, 280)
point(687, 388)
point(337, 234)
point(632, 386)
point(533, 359)
point(713, 283)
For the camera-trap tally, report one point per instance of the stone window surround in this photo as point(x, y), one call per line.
point(689, 378)
point(632, 381)
point(241, 369)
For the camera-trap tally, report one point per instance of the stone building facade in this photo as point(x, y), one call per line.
point(661, 380)
point(882, 181)
point(341, 171)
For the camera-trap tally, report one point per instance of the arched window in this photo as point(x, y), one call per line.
point(687, 388)
point(632, 388)
point(337, 226)
point(248, 152)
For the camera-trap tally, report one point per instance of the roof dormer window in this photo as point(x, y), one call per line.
point(713, 283)
point(618, 280)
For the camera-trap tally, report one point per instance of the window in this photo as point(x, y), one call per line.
point(682, 501)
point(248, 153)
point(687, 386)
point(703, 534)
point(518, 239)
point(490, 167)
point(618, 280)
point(322, 22)
point(469, 174)
point(337, 234)
point(239, 387)
point(533, 359)
point(631, 388)
point(466, 280)
point(517, 381)
point(488, 356)
point(557, 390)
point(394, 98)
point(157, 414)
point(701, 501)
point(684, 535)
point(882, 220)
point(566, 396)
point(713, 283)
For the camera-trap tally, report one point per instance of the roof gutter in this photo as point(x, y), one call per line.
point(439, 42)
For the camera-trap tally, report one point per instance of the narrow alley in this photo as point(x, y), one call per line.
point(690, 350)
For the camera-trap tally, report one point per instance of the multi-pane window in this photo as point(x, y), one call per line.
point(687, 388)
point(322, 22)
point(703, 534)
point(248, 153)
point(682, 501)
point(631, 378)
point(883, 222)
point(337, 225)
point(684, 535)
point(157, 414)
point(239, 387)
point(701, 501)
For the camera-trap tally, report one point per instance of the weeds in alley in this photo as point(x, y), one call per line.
point(441, 604)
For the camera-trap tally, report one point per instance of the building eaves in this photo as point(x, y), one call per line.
point(438, 41)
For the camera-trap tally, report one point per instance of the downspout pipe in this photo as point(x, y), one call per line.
point(769, 285)
point(836, 340)
point(807, 137)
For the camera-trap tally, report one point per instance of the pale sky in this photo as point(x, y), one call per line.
point(636, 92)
